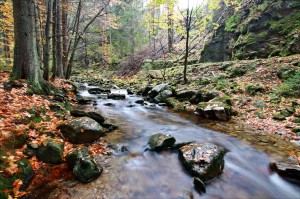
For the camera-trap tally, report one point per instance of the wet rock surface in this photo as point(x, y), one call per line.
point(51, 151)
point(214, 110)
point(157, 89)
point(81, 130)
point(159, 141)
point(204, 161)
point(288, 168)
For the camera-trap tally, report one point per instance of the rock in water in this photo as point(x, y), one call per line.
point(161, 141)
point(163, 95)
point(82, 130)
point(288, 168)
point(214, 110)
point(204, 161)
point(94, 115)
point(51, 151)
point(199, 185)
point(116, 96)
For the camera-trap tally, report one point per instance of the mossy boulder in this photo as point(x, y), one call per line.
point(73, 157)
point(145, 90)
point(157, 89)
point(159, 141)
point(203, 96)
point(81, 130)
point(279, 116)
point(203, 160)
point(87, 169)
point(163, 95)
point(51, 151)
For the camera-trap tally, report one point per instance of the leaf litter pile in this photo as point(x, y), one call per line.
point(29, 119)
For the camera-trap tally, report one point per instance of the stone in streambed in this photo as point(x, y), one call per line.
point(159, 141)
point(199, 185)
point(204, 161)
point(161, 97)
point(116, 96)
point(157, 89)
point(85, 168)
point(51, 151)
point(94, 115)
point(81, 130)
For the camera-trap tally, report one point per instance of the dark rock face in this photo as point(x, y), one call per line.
point(157, 89)
point(186, 94)
point(144, 91)
point(51, 151)
point(199, 185)
point(161, 141)
point(204, 161)
point(203, 96)
point(288, 168)
point(259, 29)
point(94, 115)
point(116, 96)
point(81, 130)
point(139, 102)
point(84, 167)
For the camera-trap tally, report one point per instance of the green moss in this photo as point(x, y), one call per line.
point(286, 25)
point(233, 22)
point(291, 86)
point(252, 89)
point(262, 7)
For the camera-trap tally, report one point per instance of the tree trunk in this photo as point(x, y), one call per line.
point(54, 66)
point(26, 64)
point(47, 40)
point(6, 48)
point(65, 35)
point(59, 66)
point(188, 27)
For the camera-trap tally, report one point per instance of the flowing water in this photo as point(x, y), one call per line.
point(145, 174)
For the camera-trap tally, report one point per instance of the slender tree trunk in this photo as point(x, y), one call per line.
point(188, 27)
point(26, 64)
point(47, 40)
point(6, 48)
point(59, 66)
point(65, 35)
point(38, 32)
point(54, 62)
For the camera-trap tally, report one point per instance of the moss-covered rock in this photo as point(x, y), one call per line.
point(87, 169)
point(252, 89)
point(73, 157)
point(51, 151)
point(159, 141)
point(81, 130)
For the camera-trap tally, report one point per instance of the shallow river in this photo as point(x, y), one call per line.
point(144, 174)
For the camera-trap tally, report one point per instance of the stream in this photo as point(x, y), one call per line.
point(137, 173)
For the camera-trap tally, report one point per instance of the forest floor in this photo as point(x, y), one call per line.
point(30, 120)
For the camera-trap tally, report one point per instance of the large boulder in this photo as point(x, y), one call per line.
point(81, 130)
point(51, 151)
point(157, 89)
point(161, 97)
point(159, 141)
point(204, 161)
point(98, 91)
point(83, 165)
point(215, 110)
point(203, 96)
point(86, 100)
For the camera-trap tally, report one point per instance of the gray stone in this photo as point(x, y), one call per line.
point(81, 130)
point(51, 151)
point(204, 161)
point(161, 141)
point(214, 110)
point(199, 185)
point(157, 89)
point(163, 95)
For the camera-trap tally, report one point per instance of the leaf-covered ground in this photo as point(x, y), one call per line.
point(29, 119)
